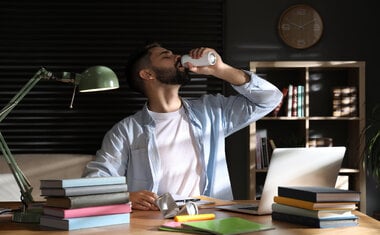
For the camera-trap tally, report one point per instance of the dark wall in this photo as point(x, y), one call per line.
point(350, 33)
point(73, 35)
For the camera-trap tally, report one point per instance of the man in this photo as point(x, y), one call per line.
point(175, 144)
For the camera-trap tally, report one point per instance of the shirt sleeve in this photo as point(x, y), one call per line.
point(260, 91)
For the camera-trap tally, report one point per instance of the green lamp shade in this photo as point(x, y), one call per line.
point(98, 78)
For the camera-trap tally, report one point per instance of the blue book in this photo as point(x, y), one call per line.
point(79, 182)
point(84, 222)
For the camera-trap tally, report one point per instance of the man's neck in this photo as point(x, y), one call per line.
point(164, 102)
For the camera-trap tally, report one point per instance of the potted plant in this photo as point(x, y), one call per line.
point(371, 156)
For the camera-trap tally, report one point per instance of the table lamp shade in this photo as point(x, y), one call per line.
point(97, 78)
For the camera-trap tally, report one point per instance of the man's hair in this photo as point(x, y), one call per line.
point(138, 60)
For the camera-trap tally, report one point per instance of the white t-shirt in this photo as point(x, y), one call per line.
point(180, 168)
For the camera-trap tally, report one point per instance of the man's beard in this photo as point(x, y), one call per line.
point(172, 76)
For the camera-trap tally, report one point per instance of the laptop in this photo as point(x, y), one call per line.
point(316, 166)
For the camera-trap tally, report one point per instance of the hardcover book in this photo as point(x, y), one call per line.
point(319, 194)
point(87, 211)
point(281, 208)
point(84, 190)
point(315, 205)
point(78, 182)
point(84, 222)
point(315, 222)
point(88, 200)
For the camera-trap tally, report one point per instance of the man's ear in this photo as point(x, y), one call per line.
point(146, 74)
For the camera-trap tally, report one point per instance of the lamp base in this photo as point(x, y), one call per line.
point(28, 215)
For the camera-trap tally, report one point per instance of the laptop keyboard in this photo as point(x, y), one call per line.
point(254, 208)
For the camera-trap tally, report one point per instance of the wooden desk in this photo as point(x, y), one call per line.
point(147, 222)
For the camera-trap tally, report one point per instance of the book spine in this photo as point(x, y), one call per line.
point(276, 111)
point(294, 202)
point(303, 220)
point(297, 194)
point(88, 200)
point(319, 214)
point(264, 145)
point(314, 205)
point(290, 101)
point(345, 101)
point(87, 211)
point(294, 101)
point(314, 222)
point(85, 190)
point(85, 222)
point(77, 182)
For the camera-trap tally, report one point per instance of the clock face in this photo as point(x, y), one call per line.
point(300, 26)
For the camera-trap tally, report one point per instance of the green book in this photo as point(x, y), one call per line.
point(223, 226)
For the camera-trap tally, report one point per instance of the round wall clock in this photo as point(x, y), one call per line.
point(300, 26)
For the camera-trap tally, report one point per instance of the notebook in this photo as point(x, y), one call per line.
point(317, 166)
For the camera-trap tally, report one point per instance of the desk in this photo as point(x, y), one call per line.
point(147, 222)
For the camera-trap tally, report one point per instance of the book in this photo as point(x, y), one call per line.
point(300, 101)
point(173, 226)
point(276, 110)
point(223, 226)
point(84, 222)
point(264, 151)
point(260, 134)
point(226, 226)
point(78, 182)
point(295, 101)
point(345, 101)
point(72, 202)
point(290, 101)
point(319, 194)
point(315, 222)
point(282, 208)
point(84, 190)
point(315, 205)
point(87, 211)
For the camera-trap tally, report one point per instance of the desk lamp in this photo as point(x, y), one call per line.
point(96, 78)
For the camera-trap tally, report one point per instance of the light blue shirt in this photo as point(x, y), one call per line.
point(129, 147)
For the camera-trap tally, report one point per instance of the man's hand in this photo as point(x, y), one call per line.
point(219, 70)
point(143, 200)
point(207, 70)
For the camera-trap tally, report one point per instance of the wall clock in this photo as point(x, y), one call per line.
point(300, 26)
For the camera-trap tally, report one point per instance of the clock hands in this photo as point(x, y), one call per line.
point(301, 26)
point(298, 26)
point(307, 23)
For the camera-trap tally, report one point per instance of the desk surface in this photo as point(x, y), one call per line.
point(147, 222)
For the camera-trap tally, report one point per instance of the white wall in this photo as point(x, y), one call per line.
point(37, 167)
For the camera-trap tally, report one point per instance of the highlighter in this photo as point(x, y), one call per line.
point(187, 218)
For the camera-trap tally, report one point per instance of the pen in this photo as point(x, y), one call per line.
point(187, 218)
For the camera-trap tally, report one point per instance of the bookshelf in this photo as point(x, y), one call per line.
point(330, 115)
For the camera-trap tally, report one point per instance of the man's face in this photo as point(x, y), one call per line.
point(168, 67)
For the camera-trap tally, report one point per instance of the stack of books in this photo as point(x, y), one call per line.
point(318, 207)
point(345, 101)
point(85, 202)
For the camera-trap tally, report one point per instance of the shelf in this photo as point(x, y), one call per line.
point(332, 112)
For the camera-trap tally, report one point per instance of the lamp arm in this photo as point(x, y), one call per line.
point(42, 73)
point(21, 180)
